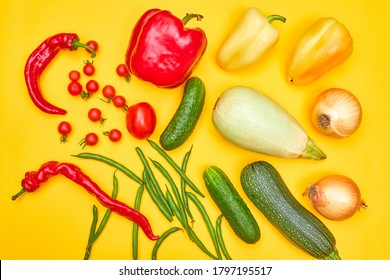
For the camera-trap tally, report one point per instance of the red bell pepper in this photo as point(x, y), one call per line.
point(162, 50)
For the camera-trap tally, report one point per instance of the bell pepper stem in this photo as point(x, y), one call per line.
point(271, 18)
point(188, 17)
point(18, 194)
point(77, 44)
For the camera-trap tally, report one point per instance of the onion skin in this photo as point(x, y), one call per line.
point(336, 197)
point(337, 113)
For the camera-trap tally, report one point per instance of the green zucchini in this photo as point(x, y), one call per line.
point(186, 116)
point(231, 204)
point(266, 189)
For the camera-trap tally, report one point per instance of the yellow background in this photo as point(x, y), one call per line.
point(53, 222)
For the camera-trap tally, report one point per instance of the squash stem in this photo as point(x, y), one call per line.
point(333, 256)
point(312, 151)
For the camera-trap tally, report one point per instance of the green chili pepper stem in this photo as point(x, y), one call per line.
point(175, 166)
point(112, 163)
point(207, 220)
point(218, 229)
point(271, 18)
point(137, 206)
point(22, 191)
point(161, 239)
point(190, 16)
point(77, 44)
point(91, 232)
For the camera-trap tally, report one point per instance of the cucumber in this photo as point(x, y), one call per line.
point(266, 189)
point(231, 205)
point(186, 116)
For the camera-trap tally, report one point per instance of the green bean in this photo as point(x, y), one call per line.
point(108, 212)
point(200, 244)
point(174, 207)
point(220, 238)
point(175, 166)
point(153, 180)
point(91, 232)
point(156, 199)
point(189, 230)
point(112, 163)
point(183, 184)
point(161, 239)
point(137, 205)
point(94, 234)
point(207, 220)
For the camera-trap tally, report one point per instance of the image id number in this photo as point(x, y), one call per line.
point(242, 270)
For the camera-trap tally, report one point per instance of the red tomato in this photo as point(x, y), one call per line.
point(119, 101)
point(115, 135)
point(91, 139)
point(108, 92)
point(95, 115)
point(64, 128)
point(93, 45)
point(141, 120)
point(74, 75)
point(89, 68)
point(75, 88)
point(92, 86)
point(121, 70)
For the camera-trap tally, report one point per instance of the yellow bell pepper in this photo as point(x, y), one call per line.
point(326, 44)
point(251, 36)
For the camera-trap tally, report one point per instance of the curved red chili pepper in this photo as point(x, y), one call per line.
point(40, 58)
point(34, 179)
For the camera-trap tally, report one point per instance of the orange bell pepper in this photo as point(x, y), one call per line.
point(326, 44)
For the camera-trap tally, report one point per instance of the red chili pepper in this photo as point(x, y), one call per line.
point(34, 179)
point(40, 58)
point(162, 51)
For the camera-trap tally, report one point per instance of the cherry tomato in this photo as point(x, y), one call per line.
point(108, 92)
point(95, 115)
point(75, 88)
point(114, 135)
point(91, 139)
point(74, 75)
point(119, 101)
point(92, 86)
point(93, 45)
point(141, 120)
point(121, 71)
point(89, 68)
point(64, 128)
